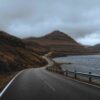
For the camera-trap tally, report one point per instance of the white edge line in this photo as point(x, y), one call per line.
point(6, 87)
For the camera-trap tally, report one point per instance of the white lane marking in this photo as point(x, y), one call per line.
point(52, 88)
point(6, 87)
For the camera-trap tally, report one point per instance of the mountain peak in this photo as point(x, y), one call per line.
point(57, 32)
point(57, 35)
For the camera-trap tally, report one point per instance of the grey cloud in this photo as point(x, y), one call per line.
point(78, 18)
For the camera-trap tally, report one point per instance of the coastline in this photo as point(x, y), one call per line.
point(81, 63)
point(87, 78)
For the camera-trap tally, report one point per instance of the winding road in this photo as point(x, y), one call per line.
point(39, 84)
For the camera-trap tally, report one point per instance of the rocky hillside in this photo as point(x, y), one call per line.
point(60, 43)
point(15, 56)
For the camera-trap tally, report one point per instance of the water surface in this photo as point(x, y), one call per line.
point(85, 64)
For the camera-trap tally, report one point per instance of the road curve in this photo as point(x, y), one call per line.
point(39, 84)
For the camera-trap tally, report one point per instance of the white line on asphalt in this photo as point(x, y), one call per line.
point(50, 86)
point(6, 87)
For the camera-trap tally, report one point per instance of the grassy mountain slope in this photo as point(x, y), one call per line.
point(15, 56)
point(59, 43)
point(35, 47)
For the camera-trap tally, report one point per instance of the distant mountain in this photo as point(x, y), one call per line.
point(95, 48)
point(57, 35)
point(60, 43)
point(15, 56)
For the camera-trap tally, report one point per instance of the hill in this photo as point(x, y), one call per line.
point(95, 48)
point(35, 47)
point(59, 44)
point(15, 56)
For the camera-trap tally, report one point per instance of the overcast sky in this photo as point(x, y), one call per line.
point(78, 18)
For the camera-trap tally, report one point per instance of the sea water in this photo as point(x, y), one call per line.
point(84, 64)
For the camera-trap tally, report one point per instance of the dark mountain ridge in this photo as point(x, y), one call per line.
point(6, 39)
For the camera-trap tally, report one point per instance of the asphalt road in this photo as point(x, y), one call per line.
point(39, 84)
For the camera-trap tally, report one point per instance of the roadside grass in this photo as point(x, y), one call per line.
point(5, 79)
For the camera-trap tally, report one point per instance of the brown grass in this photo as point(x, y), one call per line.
point(5, 79)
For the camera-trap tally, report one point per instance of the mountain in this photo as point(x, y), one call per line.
point(6, 39)
point(54, 38)
point(15, 56)
point(95, 48)
point(35, 47)
point(60, 44)
point(57, 35)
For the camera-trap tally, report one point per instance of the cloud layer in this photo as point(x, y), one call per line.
point(78, 18)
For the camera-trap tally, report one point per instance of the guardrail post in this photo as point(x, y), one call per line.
point(66, 72)
point(61, 72)
point(90, 78)
point(75, 74)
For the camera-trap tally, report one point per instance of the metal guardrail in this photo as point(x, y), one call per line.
point(77, 75)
